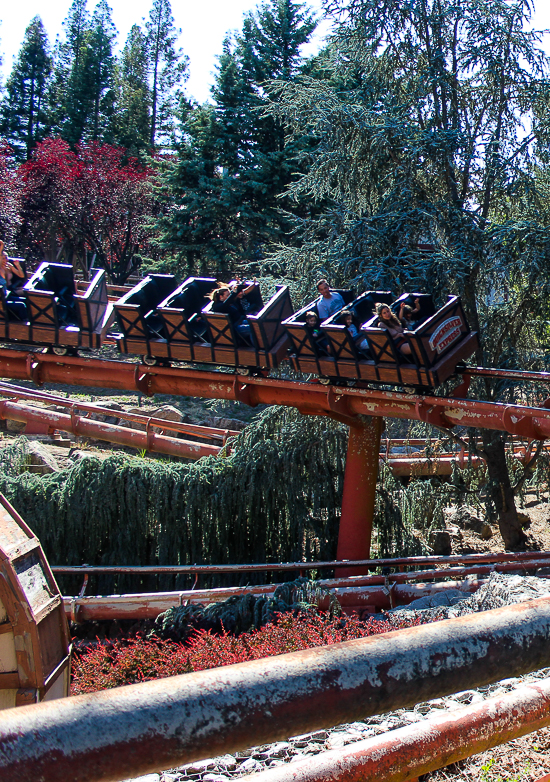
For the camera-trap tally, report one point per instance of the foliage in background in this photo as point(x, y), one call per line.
point(426, 146)
point(225, 192)
point(242, 613)
point(113, 664)
point(86, 206)
point(276, 498)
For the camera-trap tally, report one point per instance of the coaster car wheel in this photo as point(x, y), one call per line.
point(63, 350)
point(150, 361)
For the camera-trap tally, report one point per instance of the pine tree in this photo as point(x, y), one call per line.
point(428, 143)
point(24, 110)
point(100, 73)
point(70, 97)
point(133, 101)
point(234, 164)
point(168, 71)
point(84, 81)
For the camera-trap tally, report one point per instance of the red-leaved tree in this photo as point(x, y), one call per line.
point(9, 195)
point(89, 207)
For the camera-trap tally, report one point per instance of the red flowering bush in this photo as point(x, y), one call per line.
point(111, 664)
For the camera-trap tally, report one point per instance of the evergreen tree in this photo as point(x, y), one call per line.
point(70, 96)
point(234, 164)
point(100, 72)
point(24, 110)
point(84, 82)
point(426, 142)
point(168, 71)
point(133, 102)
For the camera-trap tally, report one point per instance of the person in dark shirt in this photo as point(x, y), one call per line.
point(223, 300)
point(360, 341)
point(312, 321)
point(408, 316)
point(390, 322)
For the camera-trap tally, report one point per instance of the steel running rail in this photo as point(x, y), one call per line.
point(344, 404)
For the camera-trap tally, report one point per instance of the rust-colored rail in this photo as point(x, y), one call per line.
point(98, 430)
point(352, 597)
point(204, 432)
point(407, 753)
point(370, 564)
point(308, 397)
point(133, 730)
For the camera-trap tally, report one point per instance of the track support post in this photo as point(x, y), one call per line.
point(363, 455)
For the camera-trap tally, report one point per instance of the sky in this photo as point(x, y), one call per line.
point(204, 25)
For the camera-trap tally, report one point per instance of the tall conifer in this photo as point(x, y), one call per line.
point(100, 73)
point(234, 163)
point(134, 100)
point(24, 110)
point(70, 97)
point(168, 67)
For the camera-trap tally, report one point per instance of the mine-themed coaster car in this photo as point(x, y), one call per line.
point(50, 311)
point(439, 342)
point(142, 330)
point(309, 349)
point(312, 351)
point(263, 346)
point(180, 326)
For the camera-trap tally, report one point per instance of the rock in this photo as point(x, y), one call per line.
point(340, 739)
point(106, 419)
point(226, 761)
point(215, 778)
point(15, 427)
point(278, 750)
point(40, 460)
point(250, 766)
point(200, 766)
point(224, 423)
point(525, 519)
point(440, 542)
point(168, 413)
point(463, 516)
point(486, 532)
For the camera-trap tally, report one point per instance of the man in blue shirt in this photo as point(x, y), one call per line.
point(330, 301)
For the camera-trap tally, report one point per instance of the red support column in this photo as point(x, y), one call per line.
point(362, 459)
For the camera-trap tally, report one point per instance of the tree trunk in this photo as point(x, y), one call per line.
point(500, 491)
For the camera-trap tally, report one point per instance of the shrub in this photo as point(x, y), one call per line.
point(114, 663)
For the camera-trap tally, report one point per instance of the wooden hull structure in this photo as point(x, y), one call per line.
point(34, 638)
point(442, 341)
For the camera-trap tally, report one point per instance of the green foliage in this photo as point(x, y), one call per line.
point(419, 115)
point(275, 498)
point(226, 191)
point(24, 110)
point(243, 613)
point(168, 69)
point(132, 122)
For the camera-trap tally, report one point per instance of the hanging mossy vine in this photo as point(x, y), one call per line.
point(242, 613)
point(275, 498)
